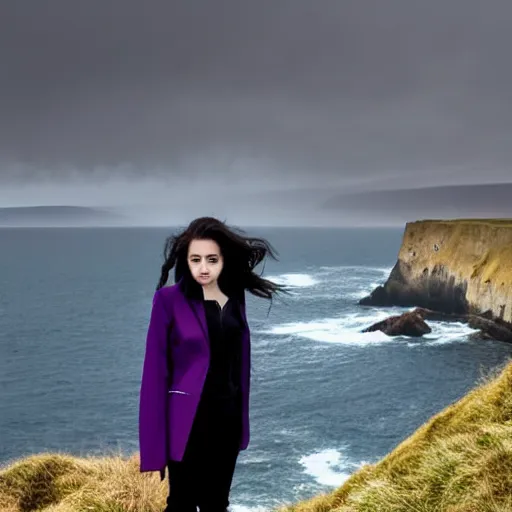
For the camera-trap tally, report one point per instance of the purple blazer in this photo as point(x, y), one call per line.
point(168, 402)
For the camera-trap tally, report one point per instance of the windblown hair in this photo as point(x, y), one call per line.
point(241, 255)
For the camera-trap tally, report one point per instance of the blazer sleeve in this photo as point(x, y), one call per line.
point(153, 391)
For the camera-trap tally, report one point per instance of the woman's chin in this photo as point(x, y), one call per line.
point(205, 281)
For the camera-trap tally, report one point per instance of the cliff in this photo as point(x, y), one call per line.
point(454, 266)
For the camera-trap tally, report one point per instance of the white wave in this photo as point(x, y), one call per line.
point(345, 330)
point(294, 280)
point(350, 282)
point(242, 508)
point(250, 458)
point(363, 290)
point(358, 268)
point(327, 467)
point(447, 332)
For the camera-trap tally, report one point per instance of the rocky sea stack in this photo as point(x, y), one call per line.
point(452, 266)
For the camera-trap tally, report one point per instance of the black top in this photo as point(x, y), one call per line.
point(224, 332)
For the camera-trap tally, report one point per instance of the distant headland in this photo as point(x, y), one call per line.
point(58, 216)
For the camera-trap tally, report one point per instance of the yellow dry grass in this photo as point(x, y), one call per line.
point(495, 266)
point(63, 483)
point(489, 222)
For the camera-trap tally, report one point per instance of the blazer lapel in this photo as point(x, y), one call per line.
point(198, 309)
point(191, 298)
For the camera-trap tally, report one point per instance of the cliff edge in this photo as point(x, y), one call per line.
point(455, 266)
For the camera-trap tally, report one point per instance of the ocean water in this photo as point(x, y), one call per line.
point(74, 307)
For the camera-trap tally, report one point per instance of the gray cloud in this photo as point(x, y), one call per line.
point(323, 88)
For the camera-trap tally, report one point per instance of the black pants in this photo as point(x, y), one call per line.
point(203, 477)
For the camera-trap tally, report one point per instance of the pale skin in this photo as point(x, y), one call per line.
point(205, 262)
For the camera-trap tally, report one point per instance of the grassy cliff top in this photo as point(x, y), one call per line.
point(479, 249)
point(459, 461)
point(489, 222)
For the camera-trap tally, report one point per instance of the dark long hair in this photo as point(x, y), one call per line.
point(241, 255)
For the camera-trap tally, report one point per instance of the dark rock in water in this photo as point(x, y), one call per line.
point(407, 324)
point(440, 316)
point(491, 329)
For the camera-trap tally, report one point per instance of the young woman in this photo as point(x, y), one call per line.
point(194, 395)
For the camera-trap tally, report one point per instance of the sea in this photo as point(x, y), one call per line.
point(325, 397)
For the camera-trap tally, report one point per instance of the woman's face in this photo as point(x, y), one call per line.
point(205, 261)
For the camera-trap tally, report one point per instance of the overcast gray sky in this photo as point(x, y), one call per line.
point(140, 102)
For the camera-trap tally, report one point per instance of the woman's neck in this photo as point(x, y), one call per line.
point(212, 291)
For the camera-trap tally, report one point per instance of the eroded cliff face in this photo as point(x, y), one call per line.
point(458, 266)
